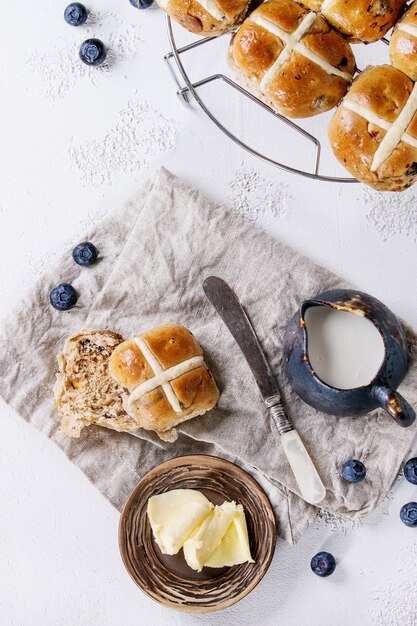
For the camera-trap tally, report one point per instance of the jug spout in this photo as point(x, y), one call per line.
point(394, 404)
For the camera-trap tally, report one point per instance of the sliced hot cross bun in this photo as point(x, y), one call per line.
point(360, 20)
point(291, 59)
point(374, 131)
point(84, 391)
point(403, 43)
point(165, 378)
point(206, 17)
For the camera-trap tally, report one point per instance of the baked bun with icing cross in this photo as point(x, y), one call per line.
point(291, 59)
point(403, 43)
point(360, 20)
point(165, 378)
point(374, 131)
point(206, 17)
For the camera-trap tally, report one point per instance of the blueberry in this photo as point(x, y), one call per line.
point(63, 297)
point(408, 514)
point(85, 253)
point(75, 14)
point(410, 471)
point(323, 564)
point(93, 52)
point(141, 4)
point(353, 471)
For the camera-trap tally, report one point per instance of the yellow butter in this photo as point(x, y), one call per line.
point(208, 535)
point(234, 548)
point(174, 515)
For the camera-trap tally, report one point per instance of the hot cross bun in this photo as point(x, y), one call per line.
point(403, 43)
point(165, 378)
point(360, 20)
point(291, 59)
point(374, 131)
point(206, 17)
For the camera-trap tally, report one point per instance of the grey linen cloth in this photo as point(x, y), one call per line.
point(154, 255)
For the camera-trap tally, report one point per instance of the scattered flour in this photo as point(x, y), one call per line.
point(91, 219)
point(342, 525)
point(139, 136)
point(251, 195)
point(40, 264)
point(59, 67)
point(337, 524)
point(392, 213)
point(394, 602)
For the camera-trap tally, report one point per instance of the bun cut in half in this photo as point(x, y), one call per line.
point(85, 393)
point(374, 131)
point(291, 59)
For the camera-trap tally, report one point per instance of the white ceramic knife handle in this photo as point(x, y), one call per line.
point(306, 475)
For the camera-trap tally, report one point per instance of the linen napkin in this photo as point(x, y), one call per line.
point(154, 255)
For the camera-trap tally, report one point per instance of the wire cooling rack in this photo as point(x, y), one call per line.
point(187, 89)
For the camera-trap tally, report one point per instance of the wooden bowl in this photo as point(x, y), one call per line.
point(168, 579)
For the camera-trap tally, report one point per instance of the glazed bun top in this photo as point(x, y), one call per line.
point(293, 58)
point(403, 43)
point(206, 17)
point(165, 377)
point(374, 131)
point(360, 20)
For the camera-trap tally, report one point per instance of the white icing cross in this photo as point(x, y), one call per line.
point(162, 378)
point(292, 42)
point(410, 29)
point(395, 131)
point(326, 5)
point(210, 6)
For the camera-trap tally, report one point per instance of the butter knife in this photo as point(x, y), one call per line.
point(227, 305)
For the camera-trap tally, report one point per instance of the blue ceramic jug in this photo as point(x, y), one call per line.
point(379, 392)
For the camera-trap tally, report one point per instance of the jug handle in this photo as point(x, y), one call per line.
point(394, 404)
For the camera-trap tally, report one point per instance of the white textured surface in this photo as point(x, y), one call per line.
point(75, 143)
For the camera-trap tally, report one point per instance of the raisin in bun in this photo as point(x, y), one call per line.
point(360, 20)
point(374, 131)
point(206, 17)
point(291, 59)
point(84, 391)
point(165, 378)
point(403, 44)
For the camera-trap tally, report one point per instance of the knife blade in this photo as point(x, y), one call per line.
point(225, 301)
point(234, 316)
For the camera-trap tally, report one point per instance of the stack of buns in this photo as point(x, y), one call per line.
point(296, 58)
point(154, 381)
point(358, 20)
